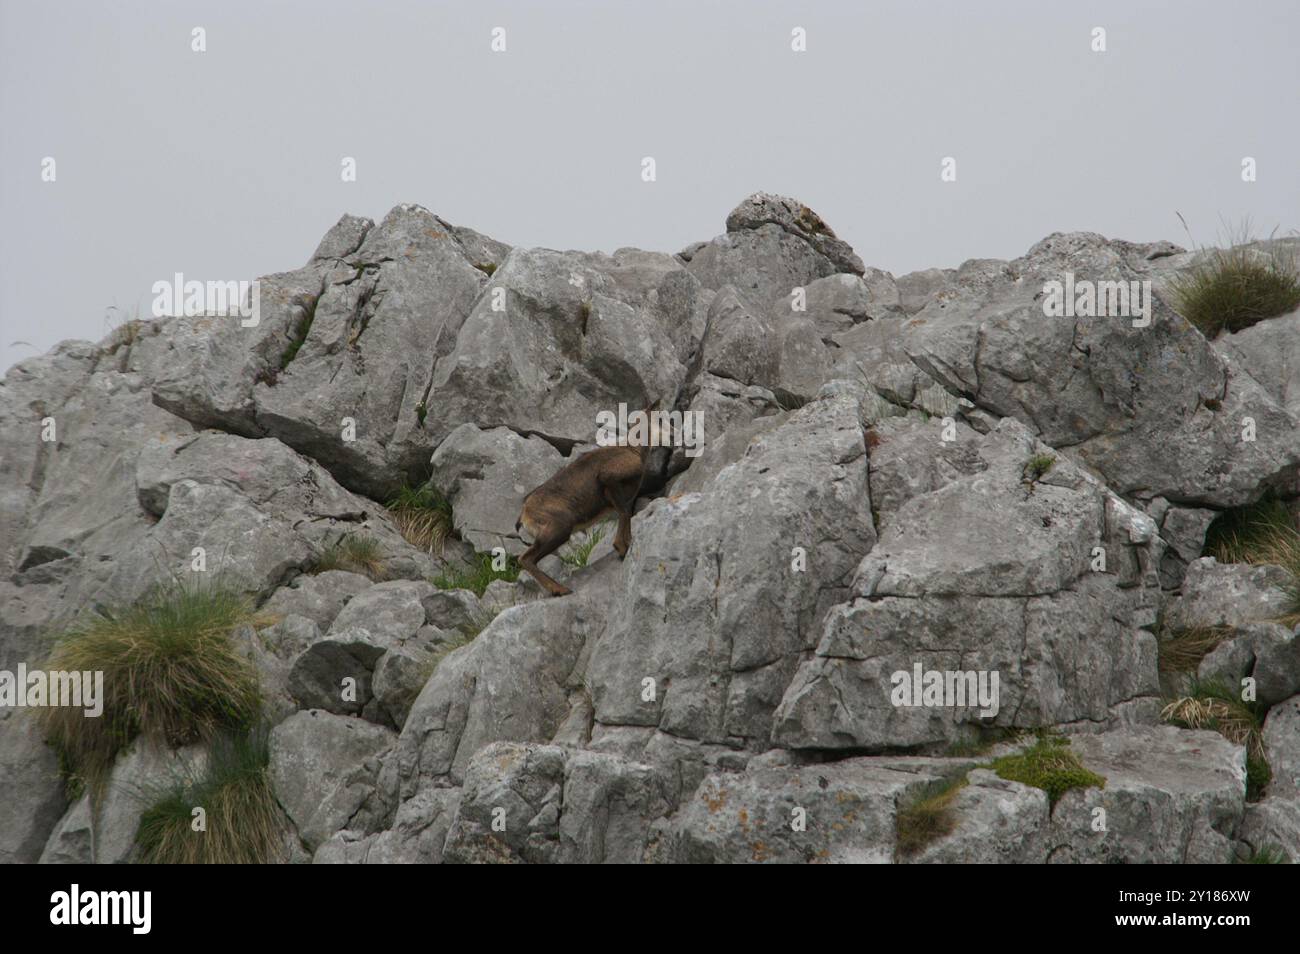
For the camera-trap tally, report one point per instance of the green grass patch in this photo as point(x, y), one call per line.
point(1266, 855)
point(928, 817)
point(422, 515)
point(478, 575)
point(1258, 774)
point(1234, 288)
point(355, 553)
point(241, 821)
point(487, 268)
point(1050, 765)
point(1038, 465)
point(578, 554)
point(171, 674)
point(299, 337)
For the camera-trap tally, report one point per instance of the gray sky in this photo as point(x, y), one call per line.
point(225, 164)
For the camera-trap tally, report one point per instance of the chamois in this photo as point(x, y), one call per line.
point(603, 481)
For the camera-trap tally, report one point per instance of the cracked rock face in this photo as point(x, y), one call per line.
point(900, 475)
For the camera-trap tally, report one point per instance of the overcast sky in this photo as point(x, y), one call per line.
point(226, 164)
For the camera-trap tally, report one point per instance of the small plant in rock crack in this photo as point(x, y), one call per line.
point(301, 327)
point(1211, 705)
point(422, 515)
point(1233, 288)
point(242, 822)
point(124, 331)
point(1050, 765)
point(478, 575)
point(1265, 855)
point(172, 675)
point(1263, 533)
point(1037, 467)
point(356, 553)
point(580, 553)
point(928, 817)
point(463, 635)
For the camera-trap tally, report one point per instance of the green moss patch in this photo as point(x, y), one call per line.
point(1050, 765)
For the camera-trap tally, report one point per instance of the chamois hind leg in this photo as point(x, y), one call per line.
point(546, 543)
point(623, 506)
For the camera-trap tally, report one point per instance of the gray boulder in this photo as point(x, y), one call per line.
point(796, 219)
point(548, 804)
point(1172, 796)
point(73, 840)
point(511, 683)
point(1282, 745)
point(324, 769)
point(318, 597)
point(1227, 594)
point(1266, 351)
point(336, 673)
point(417, 836)
point(1107, 390)
point(992, 573)
point(841, 812)
point(34, 801)
point(1273, 823)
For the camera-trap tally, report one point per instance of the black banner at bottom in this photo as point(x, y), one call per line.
point(140, 904)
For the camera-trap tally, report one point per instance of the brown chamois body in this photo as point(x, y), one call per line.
point(599, 483)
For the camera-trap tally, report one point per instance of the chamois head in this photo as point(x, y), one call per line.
point(647, 433)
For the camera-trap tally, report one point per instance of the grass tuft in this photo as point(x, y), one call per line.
point(928, 817)
point(478, 575)
point(579, 553)
point(242, 823)
point(354, 553)
point(1183, 650)
point(171, 674)
point(1050, 765)
point(1234, 288)
point(422, 516)
point(1263, 533)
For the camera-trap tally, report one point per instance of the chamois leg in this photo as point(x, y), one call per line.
point(546, 544)
point(623, 536)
